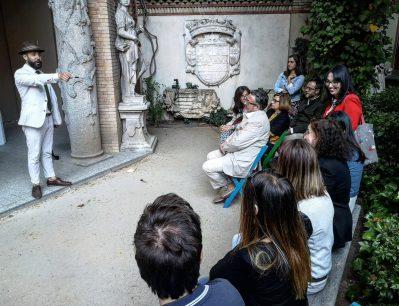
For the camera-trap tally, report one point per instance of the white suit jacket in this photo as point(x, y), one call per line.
point(244, 144)
point(31, 89)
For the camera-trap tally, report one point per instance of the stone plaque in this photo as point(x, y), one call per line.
point(212, 49)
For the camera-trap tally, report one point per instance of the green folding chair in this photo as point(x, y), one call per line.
point(270, 155)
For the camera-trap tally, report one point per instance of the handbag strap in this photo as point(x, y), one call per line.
point(362, 119)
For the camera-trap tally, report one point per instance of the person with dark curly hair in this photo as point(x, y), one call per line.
point(357, 158)
point(327, 138)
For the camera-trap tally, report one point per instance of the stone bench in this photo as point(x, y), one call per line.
point(328, 295)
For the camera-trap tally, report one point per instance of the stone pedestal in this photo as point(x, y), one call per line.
point(133, 112)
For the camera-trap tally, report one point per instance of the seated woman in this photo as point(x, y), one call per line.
point(327, 138)
point(298, 162)
point(239, 99)
point(278, 116)
point(271, 264)
point(341, 95)
point(357, 157)
point(291, 81)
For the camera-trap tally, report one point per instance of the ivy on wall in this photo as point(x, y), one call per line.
point(349, 32)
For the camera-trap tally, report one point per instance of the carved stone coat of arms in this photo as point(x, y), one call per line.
point(212, 48)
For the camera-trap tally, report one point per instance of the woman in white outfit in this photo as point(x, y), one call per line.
point(298, 162)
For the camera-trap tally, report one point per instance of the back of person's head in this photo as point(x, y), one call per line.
point(330, 139)
point(168, 244)
point(298, 162)
point(261, 98)
point(345, 123)
point(269, 210)
point(238, 105)
point(341, 74)
point(285, 102)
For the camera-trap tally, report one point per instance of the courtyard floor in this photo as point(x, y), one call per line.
point(15, 186)
point(76, 248)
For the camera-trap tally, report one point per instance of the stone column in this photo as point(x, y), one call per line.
point(75, 48)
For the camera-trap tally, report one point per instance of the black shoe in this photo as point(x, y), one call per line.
point(58, 182)
point(36, 191)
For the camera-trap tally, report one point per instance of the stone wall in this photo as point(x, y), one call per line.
point(102, 16)
point(264, 49)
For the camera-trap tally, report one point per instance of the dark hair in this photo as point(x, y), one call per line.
point(345, 123)
point(330, 139)
point(298, 67)
point(318, 82)
point(261, 97)
point(238, 106)
point(168, 243)
point(277, 219)
point(341, 74)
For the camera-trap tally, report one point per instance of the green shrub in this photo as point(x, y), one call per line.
point(377, 265)
point(153, 95)
point(381, 181)
point(349, 32)
point(218, 117)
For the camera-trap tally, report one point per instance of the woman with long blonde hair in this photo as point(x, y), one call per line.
point(298, 162)
point(271, 264)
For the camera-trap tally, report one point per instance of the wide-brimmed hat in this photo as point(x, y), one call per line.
point(29, 46)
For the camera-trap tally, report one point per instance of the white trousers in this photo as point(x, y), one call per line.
point(213, 168)
point(40, 146)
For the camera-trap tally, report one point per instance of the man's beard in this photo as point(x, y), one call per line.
point(36, 64)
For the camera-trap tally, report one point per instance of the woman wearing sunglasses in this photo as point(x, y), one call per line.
point(271, 264)
point(341, 95)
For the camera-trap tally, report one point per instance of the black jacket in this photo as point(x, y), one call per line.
point(306, 112)
point(337, 180)
point(280, 123)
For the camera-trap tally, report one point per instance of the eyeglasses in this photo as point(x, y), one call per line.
point(333, 83)
point(309, 88)
point(275, 101)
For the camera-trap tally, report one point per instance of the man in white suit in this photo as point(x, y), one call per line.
point(39, 115)
point(236, 155)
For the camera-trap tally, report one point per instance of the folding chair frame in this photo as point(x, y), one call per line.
point(240, 182)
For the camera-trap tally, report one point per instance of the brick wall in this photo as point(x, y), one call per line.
point(102, 17)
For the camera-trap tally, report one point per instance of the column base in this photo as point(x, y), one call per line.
point(85, 162)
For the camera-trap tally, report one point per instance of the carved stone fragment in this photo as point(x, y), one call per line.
point(191, 103)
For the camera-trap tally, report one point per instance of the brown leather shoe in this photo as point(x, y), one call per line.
point(58, 182)
point(223, 193)
point(36, 191)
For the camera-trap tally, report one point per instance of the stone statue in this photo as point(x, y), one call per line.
point(127, 45)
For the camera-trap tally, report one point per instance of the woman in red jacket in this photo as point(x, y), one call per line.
point(341, 95)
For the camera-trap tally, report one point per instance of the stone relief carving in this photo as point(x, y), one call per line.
point(190, 103)
point(212, 49)
point(75, 47)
